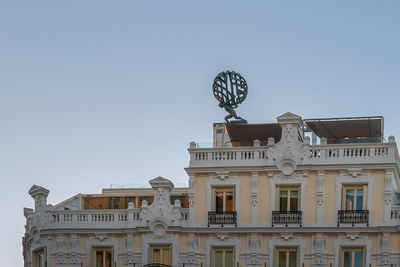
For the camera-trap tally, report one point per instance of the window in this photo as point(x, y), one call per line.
point(39, 258)
point(288, 198)
point(354, 197)
point(160, 254)
point(286, 257)
point(222, 257)
point(102, 257)
point(397, 198)
point(223, 199)
point(352, 257)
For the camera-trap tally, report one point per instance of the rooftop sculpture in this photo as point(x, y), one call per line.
point(230, 89)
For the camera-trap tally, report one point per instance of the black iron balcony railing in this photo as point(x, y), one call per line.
point(222, 217)
point(287, 217)
point(353, 216)
point(156, 265)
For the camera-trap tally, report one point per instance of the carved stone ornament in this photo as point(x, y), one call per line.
point(289, 151)
point(161, 214)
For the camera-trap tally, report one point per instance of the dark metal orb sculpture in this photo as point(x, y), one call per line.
point(230, 89)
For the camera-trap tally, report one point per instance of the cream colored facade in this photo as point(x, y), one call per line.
point(285, 203)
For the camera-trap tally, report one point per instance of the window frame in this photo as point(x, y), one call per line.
point(224, 249)
point(353, 250)
point(287, 250)
point(288, 188)
point(162, 247)
point(103, 249)
point(224, 190)
point(355, 187)
point(36, 256)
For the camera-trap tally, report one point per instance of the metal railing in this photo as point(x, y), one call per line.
point(222, 217)
point(353, 216)
point(156, 265)
point(287, 217)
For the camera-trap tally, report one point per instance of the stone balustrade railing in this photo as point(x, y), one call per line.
point(358, 153)
point(395, 215)
point(102, 218)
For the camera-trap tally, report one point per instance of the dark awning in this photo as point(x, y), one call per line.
point(352, 127)
point(251, 132)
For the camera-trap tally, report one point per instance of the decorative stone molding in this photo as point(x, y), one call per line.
point(354, 171)
point(295, 180)
point(353, 235)
point(289, 151)
point(103, 240)
point(228, 242)
point(254, 245)
point(320, 196)
point(345, 178)
point(292, 242)
point(383, 250)
point(233, 181)
point(319, 254)
point(254, 197)
point(361, 241)
point(160, 214)
point(170, 239)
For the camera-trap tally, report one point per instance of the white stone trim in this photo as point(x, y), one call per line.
point(214, 181)
point(286, 241)
point(223, 242)
point(254, 198)
point(170, 239)
point(320, 197)
point(278, 180)
point(345, 178)
point(352, 242)
point(192, 190)
point(42, 243)
point(102, 240)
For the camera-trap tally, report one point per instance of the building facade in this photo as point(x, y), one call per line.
point(317, 192)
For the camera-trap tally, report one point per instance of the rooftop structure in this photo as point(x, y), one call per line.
point(296, 192)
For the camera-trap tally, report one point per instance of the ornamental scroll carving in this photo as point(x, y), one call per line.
point(161, 214)
point(289, 151)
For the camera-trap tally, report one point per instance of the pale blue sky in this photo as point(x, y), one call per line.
point(101, 92)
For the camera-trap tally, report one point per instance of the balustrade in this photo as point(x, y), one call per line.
point(353, 216)
point(331, 154)
point(287, 217)
point(222, 217)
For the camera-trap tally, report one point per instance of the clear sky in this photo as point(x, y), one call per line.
point(94, 93)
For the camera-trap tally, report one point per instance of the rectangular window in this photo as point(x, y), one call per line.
point(397, 198)
point(222, 257)
point(354, 197)
point(286, 257)
point(102, 257)
point(160, 254)
point(288, 198)
point(223, 199)
point(39, 258)
point(352, 257)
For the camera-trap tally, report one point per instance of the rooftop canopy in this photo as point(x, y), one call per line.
point(351, 129)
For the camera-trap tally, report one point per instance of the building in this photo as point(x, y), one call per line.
point(313, 192)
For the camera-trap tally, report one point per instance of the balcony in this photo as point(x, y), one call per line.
point(156, 265)
point(287, 217)
point(356, 153)
point(88, 219)
point(353, 216)
point(222, 218)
